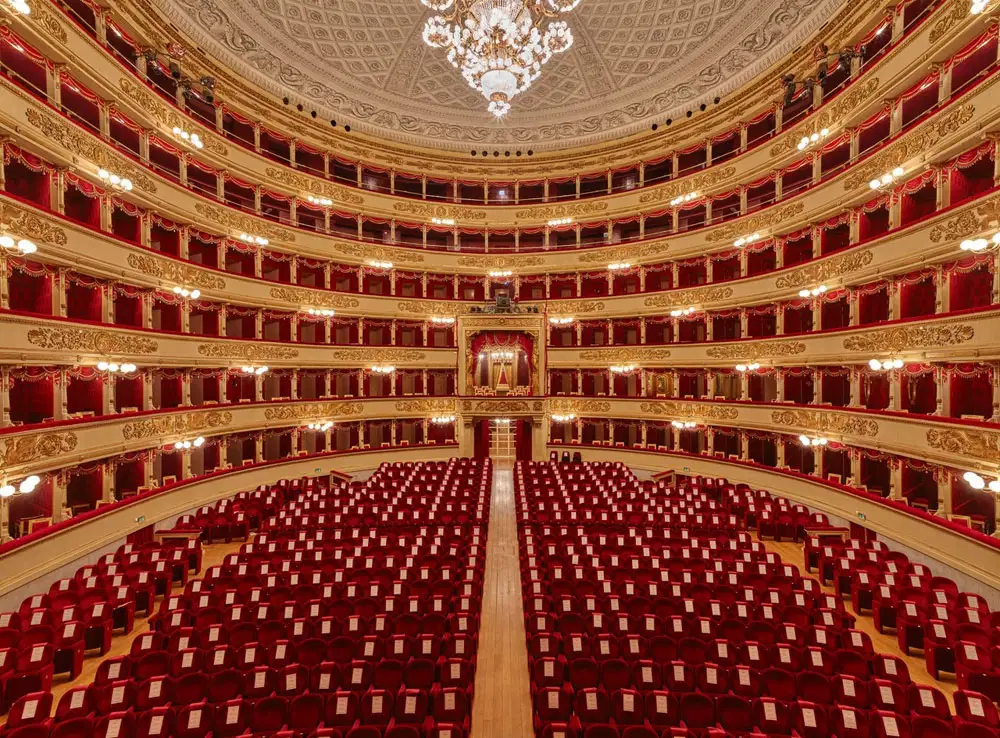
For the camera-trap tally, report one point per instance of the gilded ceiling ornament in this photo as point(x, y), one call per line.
point(574, 307)
point(91, 341)
point(847, 424)
point(314, 298)
point(910, 146)
point(430, 210)
point(365, 252)
point(683, 298)
point(313, 410)
point(827, 269)
point(234, 350)
point(499, 262)
point(494, 407)
point(958, 11)
point(968, 222)
point(631, 253)
point(425, 406)
point(578, 407)
point(171, 424)
point(86, 146)
point(757, 350)
point(906, 338)
point(235, 221)
point(296, 181)
point(830, 115)
point(19, 449)
point(630, 355)
point(376, 355)
point(175, 271)
point(715, 411)
point(32, 225)
point(565, 210)
point(979, 444)
point(697, 183)
point(428, 308)
point(771, 219)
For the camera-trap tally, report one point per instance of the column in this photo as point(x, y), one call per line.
point(895, 480)
point(780, 448)
point(895, 383)
point(944, 496)
point(4, 396)
point(855, 480)
point(108, 480)
point(942, 403)
point(856, 379)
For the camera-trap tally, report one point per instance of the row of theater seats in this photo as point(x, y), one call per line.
point(651, 610)
point(353, 611)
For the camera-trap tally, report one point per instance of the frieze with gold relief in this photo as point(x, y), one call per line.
point(684, 298)
point(236, 221)
point(827, 422)
point(425, 406)
point(246, 351)
point(757, 350)
point(426, 308)
point(573, 307)
point(314, 410)
point(294, 180)
point(826, 269)
point(430, 210)
point(578, 407)
point(17, 450)
point(626, 253)
point(32, 226)
point(714, 411)
point(378, 355)
point(828, 116)
point(631, 355)
point(176, 271)
point(968, 223)
point(91, 341)
point(170, 118)
point(698, 183)
point(517, 407)
point(363, 252)
point(564, 210)
point(907, 338)
point(979, 444)
point(48, 22)
point(499, 262)
point(177, 424)
point(955, 12)
point(773, 218)
point(314, 298)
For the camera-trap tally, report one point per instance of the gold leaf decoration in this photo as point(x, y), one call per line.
point(697, 183)
point(425, 406)
point(827, 269)
point(139, 95)
point(18, 449)
point(33, 226)
point(236, 221)
point(683, 298)
point(828, 116)
point(566, 210)
point(175, 271)
point(574, 307)
point(499, 262)
point(430, 210)
point(846, 424)
point(969, 222)
point(905, 338)
point(957, 11)
point(772, 218)
point(234, 350)
point(314, 298)
point(979, 444)
point(715, 411)
point(578, 407)
point(624, 253)
point(176, 424)
point(314, 410)
point(496, 406)
point(49, 23)
point(427, 307)
point(757, 350)
point(630, 355)
point(912, 145)
point(88, 147)
point(314, 186)
point(91, 341)
point(376, 355)
point(363, 252)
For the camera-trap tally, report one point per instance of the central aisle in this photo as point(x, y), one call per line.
point(502, 703)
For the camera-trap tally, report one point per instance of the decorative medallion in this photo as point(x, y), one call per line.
point(683, 298)
point(91, 341)
point(846, 424)
point(19, 449)
point(631, 253)
point(175, 271)
point(236, 221)
point(314, 298)
point(176, 424)
point(907, 338)
point(425, 406)
point(430, 210)
point(302, 182)
point(630, 355)
point(236, 351)
point(32, 225)
point(712, 410)
point(772, 218)
point(312, 410)
point(827, 269)
point(757, 350)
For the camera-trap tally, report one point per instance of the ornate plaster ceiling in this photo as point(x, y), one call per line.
point(634, 62)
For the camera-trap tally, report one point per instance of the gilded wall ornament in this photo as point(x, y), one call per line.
point(846, 424)
point(364, 252)
point(828, 116)
point(49, 23)
point(314, 410)
point(630, 253)
point(86, 146)
point(32, 226)
point(499, 262)
point(574, 307)
point(20, 449)
point(565, 210)
point(697, 183)
point(771, 219)
point(430, 210)
point(712, 410)
point(630, 355)
point(314, 298)
point(244, 223)
point(969, 222)
point(827, 269)
point(683, 298)
point(174, 424)
point(907, 338)
point(175, 271)
point(496, 406)
point(978, 444)
point(425, 406)
point(578, 407)
point(958, 11)
point(757, 350)
point(911, 146)
point(428, 308)
point(91, 341)
point(150, 104)
point(236, 351)
point(303, 182)
point(377, 355)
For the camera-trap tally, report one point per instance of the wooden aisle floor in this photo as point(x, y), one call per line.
point(502, 703)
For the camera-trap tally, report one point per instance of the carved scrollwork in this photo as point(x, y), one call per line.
point(828, 116)
point(698, 183)
point(624, 253)
point(575, 307)
point(305, 183)
point(244, 223)
point(968, 223)
point(378, 355)
point(425, 406)
point(769, 219)
point(33, 226)
point(364, 252)
point(579, 407)
point(711, 410)
point(17, 450)
point(427, 307)
point(825, 270)
point(698, 296)
point(565, 210)
point(234, 351)
point(315, 298)
point(499, 262)
point(906, 338)
point(430, 210)
point(175, 271)
point(313, 410)
point(979, 444)
point(497, 406)
point(828, 422)
point(176, 424)
point(91, 341)
point(630, 355)
point(757, 350)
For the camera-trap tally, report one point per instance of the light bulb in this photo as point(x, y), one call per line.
point(199, 441)
point(7, 490)
point(102, 366)
point(897, 363)
point(26, 247)
point(994, 485)
point(7, 242)
point(179, 445)
point(195, 294)
point(875, 364)
point(804, 440)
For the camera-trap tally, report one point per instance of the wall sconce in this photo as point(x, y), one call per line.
point(383, 369)
point(808, 141)
point(443, 221)
point(324, 201)
point(977, 245)
point(443, 419)
point(683, 424)
point(752, 367)
point(439, 320)
point(622, 368)
point(561, 321)
point(114, 368)
point(681, 312)
point(977, 482)
point(619, 266)
point(683, 199)
point(502, 355)
point(117, 182)
point(185, 293)
point(885, 365)
point(322, 426)
point(563, 418)
point(21, 245)
point(258, 240)
point(807, 441)
point(380, 264)
point(257, 371)
point(555, 222)
point(192, 139)
point(500, 273)
point(18, 6)
point(324, 312)
point(746, 240)
point(501, 421)
point(814, 292)
point(26, 486)
point(196, 443)
point(886, 179)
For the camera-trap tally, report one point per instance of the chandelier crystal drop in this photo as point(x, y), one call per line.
point(500, 46)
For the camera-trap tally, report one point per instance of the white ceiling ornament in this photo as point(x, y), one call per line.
point(632, 62)
point(499, 45)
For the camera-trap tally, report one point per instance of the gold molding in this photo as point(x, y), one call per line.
point(771, 219)
point(563, 210)
point(92, 341)
point(821, 271)
point(236, 221)
point(314, 410)
point(32, 225)
point(757, 350)
point(572, 307)
point(432, 210)
point(317, 298)
point(236, 351)
point(24, 449)
point(378, 355)
point(629, 355)
point(979, 444)
point(177, 424)
point(173, 270)
point(499, 262)
point(169, 117)
point(697, 183)
point(426, 406)
point(689, 297)
point(828, 117)
point(426, 308)
point(908, 338)
point(625, 253)
point(501, 405)
point(294, 180)
point(711, 410)
point(578, 406)
point(968, 223)
point(365, 251)
point(826, 421)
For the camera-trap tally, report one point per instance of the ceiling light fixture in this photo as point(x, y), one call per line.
point(562, 321)
point(752, 367)
point(807, 441)
point(500, 46)
point(622, 368)
point(196, 443)
point(977, 245)
point(255, 370)
point(26, 486)
point(680, 312)
point(322, 312)
point(746, 240)
point(563, 418)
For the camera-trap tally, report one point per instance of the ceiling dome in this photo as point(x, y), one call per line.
point(634, 62)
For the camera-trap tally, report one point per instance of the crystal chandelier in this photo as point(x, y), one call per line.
point(500, 45)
